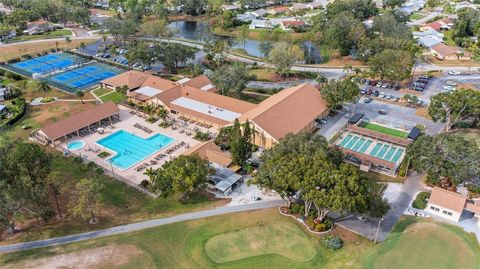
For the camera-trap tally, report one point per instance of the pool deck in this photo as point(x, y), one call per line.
point(127, 123)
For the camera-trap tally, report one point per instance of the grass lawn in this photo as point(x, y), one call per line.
point(115, 97)
point(101, 91)
point(383, 129)
point(261, 239)
point(51, 34)
point(120, 204)
point(415, 243)
point(416, 16)
point(470, 134)
point(13, 51)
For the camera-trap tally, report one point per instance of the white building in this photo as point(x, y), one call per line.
point(451, 205)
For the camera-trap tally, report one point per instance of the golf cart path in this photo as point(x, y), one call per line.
point(139, 226)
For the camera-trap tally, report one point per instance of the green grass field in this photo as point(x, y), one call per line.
point(52, 34)
point(262, 239)
point(423, 244)
point(115, 97)
point(385, 130)
point(101, 91)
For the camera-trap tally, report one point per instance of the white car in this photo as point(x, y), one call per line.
point(451, 83)
point(448, 88)
point(454, 73)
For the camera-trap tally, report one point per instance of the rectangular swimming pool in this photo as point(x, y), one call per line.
point(131, 149)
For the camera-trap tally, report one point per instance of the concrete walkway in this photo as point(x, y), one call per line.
point(140, 225)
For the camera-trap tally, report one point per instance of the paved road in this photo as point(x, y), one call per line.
point(139, 226)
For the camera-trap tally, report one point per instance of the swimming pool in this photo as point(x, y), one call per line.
point(131, 149)
point(76, 145)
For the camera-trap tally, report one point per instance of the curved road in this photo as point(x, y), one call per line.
point(139, 226)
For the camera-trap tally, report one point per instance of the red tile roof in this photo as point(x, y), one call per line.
point(448, 199)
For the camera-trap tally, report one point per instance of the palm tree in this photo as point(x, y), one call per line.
point(148, 108)
point(68, 40)
point(122, 90)
point(163, 114)
point(43, 86)
point(150, 173)
point(80, 94)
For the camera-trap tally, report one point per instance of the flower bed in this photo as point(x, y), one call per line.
point(311, 224)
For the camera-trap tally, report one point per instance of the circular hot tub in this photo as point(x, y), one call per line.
point(76, 145)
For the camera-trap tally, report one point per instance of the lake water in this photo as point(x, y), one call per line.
point(199, 31)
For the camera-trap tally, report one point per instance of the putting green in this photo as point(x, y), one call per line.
point(426, 245)
point(383, 129)
point(281, 238)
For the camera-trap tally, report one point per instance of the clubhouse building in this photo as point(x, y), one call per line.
point(451, 205)
point(290, 111)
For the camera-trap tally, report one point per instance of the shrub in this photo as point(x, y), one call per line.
point(332, 242)
point(297, 208)
point(310, 223)
point(420, 201)
point(77, 159)
point(320, 227)
point(144, 184)
point(152, 119)
point(201, 136)
point(328, 222)
point(47, 100)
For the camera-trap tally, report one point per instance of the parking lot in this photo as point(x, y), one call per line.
point(435, 86)
point(395, 115)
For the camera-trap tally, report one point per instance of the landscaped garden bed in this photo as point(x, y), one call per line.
point(312, 224)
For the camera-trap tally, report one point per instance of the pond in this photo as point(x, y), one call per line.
point(199, 31)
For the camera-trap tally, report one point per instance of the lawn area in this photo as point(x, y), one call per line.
point(415, 243)
point(120, 204)
point(261, 239)
point(115, 97)
point(383, 129)
point(470, 134)
point(101, 91)
point(13, 51)
point(416, 16)
point(51, 34)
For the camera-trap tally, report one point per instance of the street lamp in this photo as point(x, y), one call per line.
point(378, 228)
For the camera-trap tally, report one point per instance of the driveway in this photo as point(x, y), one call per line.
point(399, 199)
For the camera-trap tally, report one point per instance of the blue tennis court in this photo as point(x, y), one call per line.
point(83, 77)
point(47, 63)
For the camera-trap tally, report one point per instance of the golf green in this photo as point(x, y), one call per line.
point(383, 129)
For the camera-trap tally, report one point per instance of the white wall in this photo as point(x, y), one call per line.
point(439, 211)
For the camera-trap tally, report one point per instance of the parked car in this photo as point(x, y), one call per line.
point(367, 100)
point(424, 77)
point(376, 93)
point(382, 112)
point(397, 87)
point(379, 84)
point(396, 99)
point(363, 91)
point(419, 89)
point(454, 73)
point(373, 83)
point(451, 83)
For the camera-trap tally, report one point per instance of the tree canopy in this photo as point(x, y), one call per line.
point(180, 176)
point(283, 56)
point(305, 163)
point(454, 107)
point(337, 92)
point(445, 157)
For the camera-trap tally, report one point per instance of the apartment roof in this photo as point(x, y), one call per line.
point(80, 120)
point(288, 111)
point(199, 82)
point(448, 199)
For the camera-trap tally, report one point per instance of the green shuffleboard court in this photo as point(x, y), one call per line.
point(383, 129)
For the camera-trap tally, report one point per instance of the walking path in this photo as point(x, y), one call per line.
point(140, 225)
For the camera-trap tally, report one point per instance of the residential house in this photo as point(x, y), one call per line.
point(412, 6)
point(259, 12)
point(443, 24)
point(428, 32)
point(278, 10)
point(261, 24)
point(429, 41)
point(246, 17)
point(231, 7)
point(444, 52)
point(290, 25)
point(38, 27)
point(451, 205)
